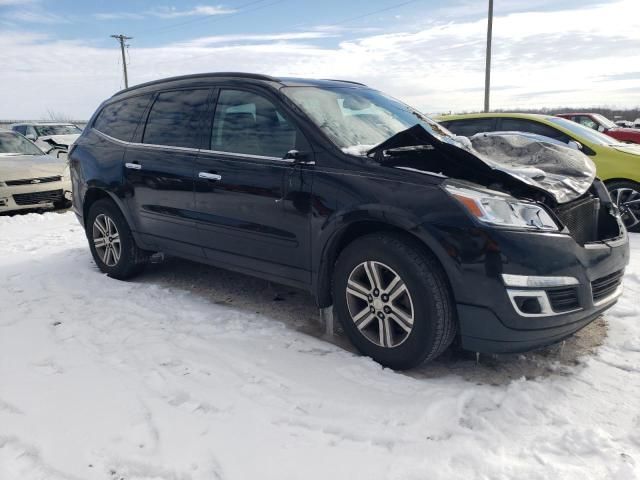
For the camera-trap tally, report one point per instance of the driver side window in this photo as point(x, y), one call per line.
point(587, 122)
point(251, 124)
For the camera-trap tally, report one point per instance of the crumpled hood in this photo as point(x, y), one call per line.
point(539, 162)
point(28, 166)
point(60, 139)
point(562, 171)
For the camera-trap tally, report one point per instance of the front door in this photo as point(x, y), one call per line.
point(159, 170)
point(252, 203)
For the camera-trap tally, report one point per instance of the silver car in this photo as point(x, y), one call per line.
point(29, 178)
point(54, 138)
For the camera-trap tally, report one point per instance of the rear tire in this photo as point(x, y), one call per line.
point(626, 195)
point(112, 245)
point(399, 322)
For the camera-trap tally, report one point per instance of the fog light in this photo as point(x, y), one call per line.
point(68, 195)
point(531, 303)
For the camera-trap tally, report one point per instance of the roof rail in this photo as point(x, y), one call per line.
point(344, 81)
point(254, 76)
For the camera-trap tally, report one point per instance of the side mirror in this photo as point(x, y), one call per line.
point(31, 136)
point(601, 128)
point(575, 145)
point(299, 158)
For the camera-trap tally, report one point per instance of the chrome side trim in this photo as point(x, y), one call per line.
point(247, 155)
point(614, 296)
point(192, 150)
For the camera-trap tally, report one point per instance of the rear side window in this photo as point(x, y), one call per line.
point(175, 118)
point(251, 124)
point(120, 119)
point(470, 126)
point(22, 129)
point(529, 126)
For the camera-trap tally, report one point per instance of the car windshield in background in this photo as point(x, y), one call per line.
point(604, 121)
point(14, 144)
point(583, 132)
point(47, 130)
point(357, 119)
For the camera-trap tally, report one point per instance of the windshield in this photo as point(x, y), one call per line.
point(585, 133)
point(46, 130)
point(15, 144)
point(357, 119)
point(604, 121)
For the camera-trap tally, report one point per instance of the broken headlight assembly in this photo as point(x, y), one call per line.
point(496, 208)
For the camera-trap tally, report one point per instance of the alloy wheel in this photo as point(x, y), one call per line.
point(380, 304)
point(106, 240)
point(628, 202)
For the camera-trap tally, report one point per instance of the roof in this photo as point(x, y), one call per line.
point(254, 77)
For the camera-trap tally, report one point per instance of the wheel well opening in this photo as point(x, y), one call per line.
point(91, 197)
point(343, 239)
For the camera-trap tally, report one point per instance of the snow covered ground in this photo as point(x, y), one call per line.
point(192, 373)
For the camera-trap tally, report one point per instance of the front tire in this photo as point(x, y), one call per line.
point(112, 245)
point(393, 300)
point(626, 195)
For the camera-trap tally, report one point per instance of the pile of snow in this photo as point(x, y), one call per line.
point(158, 379)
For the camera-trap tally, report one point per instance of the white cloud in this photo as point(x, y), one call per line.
point(119, 16)
point(200, 10)
point(581, 57)
point(35, 16)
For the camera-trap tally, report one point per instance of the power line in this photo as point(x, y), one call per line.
point(397, 5)
point(122, 38)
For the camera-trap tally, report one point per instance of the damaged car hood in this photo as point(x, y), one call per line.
point(538, 162)
point(18, 167)
point(66, 140)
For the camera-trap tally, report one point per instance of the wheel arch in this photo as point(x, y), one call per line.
point(357, 229)
point(93, 194)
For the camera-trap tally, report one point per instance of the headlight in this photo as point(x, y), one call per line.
point(496, 208)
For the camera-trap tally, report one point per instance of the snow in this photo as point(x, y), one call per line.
point(191, 373)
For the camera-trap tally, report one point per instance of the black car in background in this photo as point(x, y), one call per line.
point(414, 236)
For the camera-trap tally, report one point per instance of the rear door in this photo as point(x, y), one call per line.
point(159, 168)
point(253, 204)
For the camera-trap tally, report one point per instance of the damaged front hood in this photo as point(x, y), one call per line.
point(19, 167)
point(65, 140)
point(538, 162)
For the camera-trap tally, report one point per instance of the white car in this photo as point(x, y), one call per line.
point(30, 179)
point(54, 138)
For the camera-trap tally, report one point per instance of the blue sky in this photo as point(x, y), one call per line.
point(59, 56)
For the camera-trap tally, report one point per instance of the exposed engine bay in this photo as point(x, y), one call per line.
point(525, 166)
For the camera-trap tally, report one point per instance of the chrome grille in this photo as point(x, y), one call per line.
point(33, 181)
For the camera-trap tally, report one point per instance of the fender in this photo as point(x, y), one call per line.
point(343, 226)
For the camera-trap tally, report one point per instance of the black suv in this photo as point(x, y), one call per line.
point(413, 235)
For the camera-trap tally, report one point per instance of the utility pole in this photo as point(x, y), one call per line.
point(122, 38)
point(487, 72)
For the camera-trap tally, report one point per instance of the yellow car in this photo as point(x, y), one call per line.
point(618, 164)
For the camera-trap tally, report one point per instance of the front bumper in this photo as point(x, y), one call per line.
point(490, 321)
point(34, 196)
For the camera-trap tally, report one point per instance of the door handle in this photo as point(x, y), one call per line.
point(209, 176)
point(133, 166)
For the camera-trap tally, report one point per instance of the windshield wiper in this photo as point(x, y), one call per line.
point(416, 137)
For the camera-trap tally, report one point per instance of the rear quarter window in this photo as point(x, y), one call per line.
point(120, 119)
